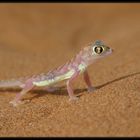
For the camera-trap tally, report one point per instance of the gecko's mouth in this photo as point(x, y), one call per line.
point(109, 52)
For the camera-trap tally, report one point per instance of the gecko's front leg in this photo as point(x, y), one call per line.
point(69, 87)
point(88, 82)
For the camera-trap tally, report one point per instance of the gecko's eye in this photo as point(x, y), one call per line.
point(98, 49)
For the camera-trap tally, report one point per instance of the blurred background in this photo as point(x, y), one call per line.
point(36, 35)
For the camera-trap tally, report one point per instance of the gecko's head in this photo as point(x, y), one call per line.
point(100, 50)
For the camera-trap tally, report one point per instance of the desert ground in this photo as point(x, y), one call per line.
point(36, 38)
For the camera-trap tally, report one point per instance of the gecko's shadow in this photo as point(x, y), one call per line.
point(117, 79)
point(63, 91)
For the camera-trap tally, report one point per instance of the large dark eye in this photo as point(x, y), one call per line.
point(98, 50)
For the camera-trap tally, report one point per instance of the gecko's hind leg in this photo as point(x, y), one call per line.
point(69, 87)
point(28, 86)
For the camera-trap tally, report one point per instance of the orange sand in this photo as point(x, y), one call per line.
point(35, 38)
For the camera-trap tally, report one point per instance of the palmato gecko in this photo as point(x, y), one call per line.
point(68, 72)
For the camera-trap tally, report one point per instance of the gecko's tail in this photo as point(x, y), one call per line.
point(11, 83)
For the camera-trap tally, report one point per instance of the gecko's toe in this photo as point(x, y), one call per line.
point(91, 89)
point(74, 98)
point(17, 103)
point(14, 103)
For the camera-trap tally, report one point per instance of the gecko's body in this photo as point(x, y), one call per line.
point(68, 72)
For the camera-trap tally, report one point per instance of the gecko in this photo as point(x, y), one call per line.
point(67, 73)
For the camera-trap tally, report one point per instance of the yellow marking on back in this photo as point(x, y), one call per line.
point(55, 80)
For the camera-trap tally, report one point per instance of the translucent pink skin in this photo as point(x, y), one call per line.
point(85, 57)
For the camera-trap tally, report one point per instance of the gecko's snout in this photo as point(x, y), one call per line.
point(112, 50)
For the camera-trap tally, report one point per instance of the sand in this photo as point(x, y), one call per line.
point(36, 38)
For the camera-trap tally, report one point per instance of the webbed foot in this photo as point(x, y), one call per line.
point(73, 98)
point(91, 89)
point(17, 103)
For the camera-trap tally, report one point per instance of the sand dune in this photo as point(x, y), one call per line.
point(35, 38)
